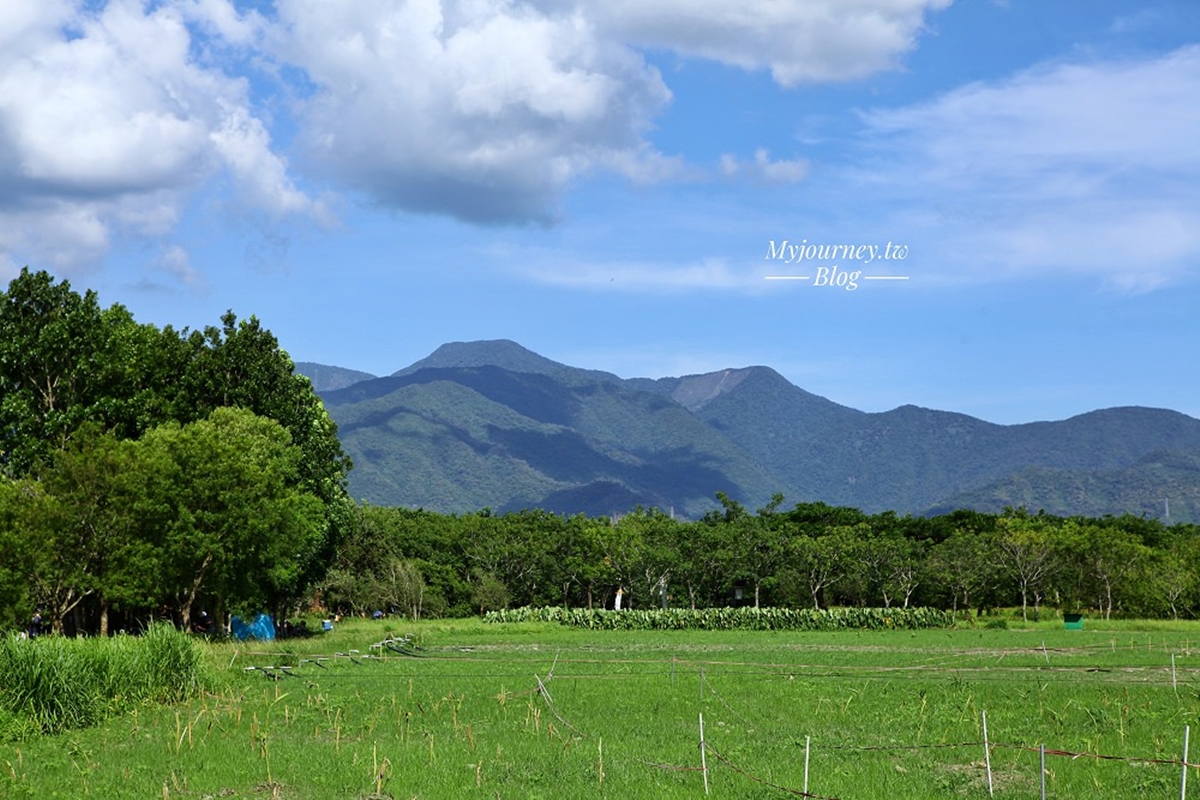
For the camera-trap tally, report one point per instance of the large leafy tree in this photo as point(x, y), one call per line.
point(65, 361)
point(238, 526)
point(98, 539)
point(962, 565)
point(824, 559)
point(578, 554)
point(240, 364)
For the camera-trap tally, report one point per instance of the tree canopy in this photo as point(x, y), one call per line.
point(129, 451)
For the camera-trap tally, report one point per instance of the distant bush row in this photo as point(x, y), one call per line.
point(732, 619)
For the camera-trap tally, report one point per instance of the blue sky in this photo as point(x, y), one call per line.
point(606, 183)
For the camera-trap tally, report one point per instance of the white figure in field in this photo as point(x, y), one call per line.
point(617, 604)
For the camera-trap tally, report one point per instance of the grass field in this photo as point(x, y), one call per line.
point(890, 714)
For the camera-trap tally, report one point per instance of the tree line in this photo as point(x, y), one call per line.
point(149, 472)
point(144, 471)
point(421, 563)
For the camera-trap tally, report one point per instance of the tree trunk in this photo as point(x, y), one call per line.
point(185, 605)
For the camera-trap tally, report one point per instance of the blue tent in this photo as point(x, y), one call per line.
point(260, 628)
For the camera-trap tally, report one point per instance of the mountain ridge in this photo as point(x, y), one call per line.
point(493, 424)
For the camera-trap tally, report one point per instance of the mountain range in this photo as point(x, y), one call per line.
point(493, 425)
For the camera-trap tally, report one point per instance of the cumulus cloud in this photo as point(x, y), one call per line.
point(107, 123)
point(114, 113)
point(481, 110)
point(487, 110)
point(1082, 168)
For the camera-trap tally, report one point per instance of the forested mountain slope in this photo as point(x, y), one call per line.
point(492, 424)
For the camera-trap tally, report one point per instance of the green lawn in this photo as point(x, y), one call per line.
point(888, 714)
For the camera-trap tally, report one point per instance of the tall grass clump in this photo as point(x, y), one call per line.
point(52, 684)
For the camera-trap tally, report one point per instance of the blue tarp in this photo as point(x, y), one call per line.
point(260, 628)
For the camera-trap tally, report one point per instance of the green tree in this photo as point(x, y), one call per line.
point(622, 547)
point(402, 586)
point(488, 593)
point(823, 559)
point(103, 526)
point(238, 525)
point(17, 501)
point(701, 558)
point(1106, 557)
point(1027, 552)
point(65, 361)
point(654, 558)
point(758, 544)
point(241, 365)
point(961, 564)
point(580, 557)
point(1169, 575)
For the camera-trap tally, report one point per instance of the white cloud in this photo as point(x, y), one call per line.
point(176, 262)
point(763, 170)
point(1086, 169)
point(223, 20)
point(61, 234)
point(108, 123)
point(113, 113)
point(813, 41)
point(488, 110)
point(485, 111)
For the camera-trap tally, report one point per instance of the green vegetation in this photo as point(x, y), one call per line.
point(811, 556)
point(54, 684)
point(143, 471)
point(540, 710)
point(732, 619)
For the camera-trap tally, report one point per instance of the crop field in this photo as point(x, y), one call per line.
point(536, 710)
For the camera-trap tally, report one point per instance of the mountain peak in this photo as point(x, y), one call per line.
point(505, 354)
point(693, 391)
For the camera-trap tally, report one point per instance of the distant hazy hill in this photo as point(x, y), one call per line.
point(493, 424)
point(1163, 486)
point(326, 379)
